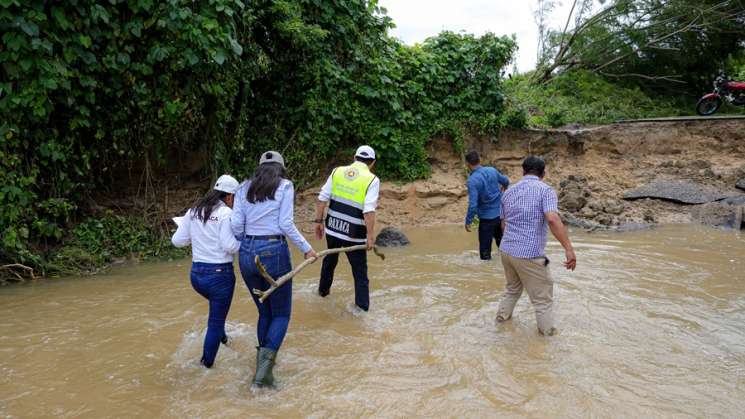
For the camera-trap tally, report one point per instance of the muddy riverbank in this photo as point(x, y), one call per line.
point(591, 168)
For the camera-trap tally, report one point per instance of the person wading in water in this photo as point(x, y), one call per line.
point(530, 208)
point(351, 193)
point(263, 219)
point(206, 226)
point(485, 186)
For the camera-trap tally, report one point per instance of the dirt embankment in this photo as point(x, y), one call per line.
point(590, 167)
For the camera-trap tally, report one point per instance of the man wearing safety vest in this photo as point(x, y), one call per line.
point(351, 194)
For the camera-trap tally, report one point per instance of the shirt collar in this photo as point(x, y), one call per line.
point(530, 177)
point(359, 165)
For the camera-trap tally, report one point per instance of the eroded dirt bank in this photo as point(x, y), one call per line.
point(590, 167)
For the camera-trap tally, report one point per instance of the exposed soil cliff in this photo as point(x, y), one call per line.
point(590, 167)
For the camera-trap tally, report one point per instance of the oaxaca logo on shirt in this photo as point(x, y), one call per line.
point(338, 225)
point(351, 173)
point(212, 218)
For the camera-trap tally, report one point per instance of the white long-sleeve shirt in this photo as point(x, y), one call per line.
point(211, 242)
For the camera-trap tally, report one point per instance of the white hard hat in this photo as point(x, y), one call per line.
point(226, 183)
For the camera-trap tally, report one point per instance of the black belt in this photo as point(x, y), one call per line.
point(271, 237)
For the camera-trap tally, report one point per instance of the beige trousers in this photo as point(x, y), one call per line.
point(535, 276)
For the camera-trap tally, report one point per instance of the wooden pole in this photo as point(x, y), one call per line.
point(263, 295)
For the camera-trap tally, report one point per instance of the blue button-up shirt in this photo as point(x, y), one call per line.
point(524, 208)
point(268, 218)
point(484, 194)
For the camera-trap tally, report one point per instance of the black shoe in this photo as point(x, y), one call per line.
point(225, 340)
point(323, 293)
point(201, 361)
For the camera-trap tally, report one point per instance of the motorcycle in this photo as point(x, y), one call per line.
point(732, 91)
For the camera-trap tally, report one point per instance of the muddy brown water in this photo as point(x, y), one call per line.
point(652, 324)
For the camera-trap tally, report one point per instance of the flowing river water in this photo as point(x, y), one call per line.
point(651, 324)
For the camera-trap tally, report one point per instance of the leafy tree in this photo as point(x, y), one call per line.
point(677, 41)
point(85, 86)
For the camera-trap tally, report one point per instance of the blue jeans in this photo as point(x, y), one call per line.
point(274, 312)
point(215, 282)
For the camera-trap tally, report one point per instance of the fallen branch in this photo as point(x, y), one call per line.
point(672, 78)
point(263, 295)
point(13, 269)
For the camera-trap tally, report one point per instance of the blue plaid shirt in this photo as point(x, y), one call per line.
point(524, 206)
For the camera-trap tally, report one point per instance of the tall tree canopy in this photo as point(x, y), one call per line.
point(666, 41)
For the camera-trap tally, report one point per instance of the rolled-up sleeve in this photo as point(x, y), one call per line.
point(503, 180)
point(228, 243)
point(473, 199)
point(182, 236)
point(325, 193)
point(286, 219)
point(549, 201)
point(371, 196)
point(238, 216)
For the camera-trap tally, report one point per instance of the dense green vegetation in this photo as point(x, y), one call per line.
point(667, 46)
point(620, 59)
point(99, 241)
point(93, 89)
point(90, 88)
point(583, 97)
point(580, 96)
point(735, 65)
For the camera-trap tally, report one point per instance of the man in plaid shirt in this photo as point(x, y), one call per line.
point(529, 210)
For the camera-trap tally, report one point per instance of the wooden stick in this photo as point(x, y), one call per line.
point(263, 295)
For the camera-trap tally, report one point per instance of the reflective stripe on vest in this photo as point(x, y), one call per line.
point(345, 217)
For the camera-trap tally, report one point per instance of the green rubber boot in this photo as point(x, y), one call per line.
point(256, 366)
point(264, 365)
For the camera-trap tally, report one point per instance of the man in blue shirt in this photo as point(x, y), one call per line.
point(485, 186)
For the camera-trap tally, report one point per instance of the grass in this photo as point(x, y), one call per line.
point(581, 97)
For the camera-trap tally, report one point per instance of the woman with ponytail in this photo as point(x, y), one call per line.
point(206, 226)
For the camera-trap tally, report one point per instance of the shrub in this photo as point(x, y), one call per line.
point(515, 116)
point(98, 241)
